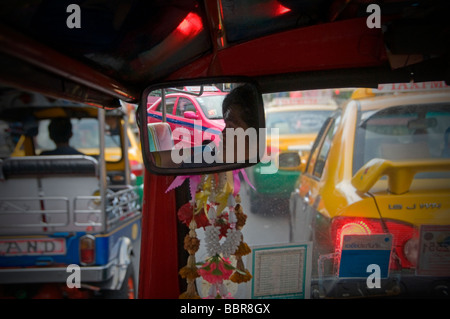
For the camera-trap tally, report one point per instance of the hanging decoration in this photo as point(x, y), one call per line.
point(216, 207)
point(190, 271)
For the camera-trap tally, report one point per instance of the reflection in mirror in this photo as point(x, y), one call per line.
point(207, 125)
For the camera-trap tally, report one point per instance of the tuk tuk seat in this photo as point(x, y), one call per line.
point(48, 193)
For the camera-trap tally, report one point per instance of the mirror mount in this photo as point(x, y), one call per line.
point(199, 93)
point(163, 103)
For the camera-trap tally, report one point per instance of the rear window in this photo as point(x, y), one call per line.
point(211, 106)
point(297, 122)
point(403, 133)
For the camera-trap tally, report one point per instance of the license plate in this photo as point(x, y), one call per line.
point(34, 246)
point(434, 251)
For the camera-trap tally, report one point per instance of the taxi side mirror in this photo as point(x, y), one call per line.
point(191, 115)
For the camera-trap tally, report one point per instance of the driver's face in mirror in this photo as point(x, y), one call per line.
point(238, 110)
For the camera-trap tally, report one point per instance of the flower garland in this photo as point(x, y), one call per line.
point(216, 207)
point(190, 271)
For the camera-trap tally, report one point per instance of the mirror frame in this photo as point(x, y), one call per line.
point(141, 120)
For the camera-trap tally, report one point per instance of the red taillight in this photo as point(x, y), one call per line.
point(401, 233)
point(136, 168)
point(357, 227)
point(87, 250)
point(353, 226)
point(271, 151)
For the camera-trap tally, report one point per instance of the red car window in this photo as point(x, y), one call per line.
point(184, 105)
point(170, 103)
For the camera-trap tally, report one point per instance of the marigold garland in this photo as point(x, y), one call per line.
point(238, 277)
point(190, 271)
point(191, 244)
point(242, 249)
point(241, 217)
point(190, 293)
point(241, 274)
point(219, 212)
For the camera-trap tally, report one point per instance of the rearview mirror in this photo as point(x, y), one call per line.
point(200, 127)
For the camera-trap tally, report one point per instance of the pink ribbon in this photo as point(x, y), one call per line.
point(194, 180)
point(237, 181)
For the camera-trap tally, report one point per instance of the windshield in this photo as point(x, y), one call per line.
point(85, 137)
point(297, 122)
point(403, 133)
point(211, 106)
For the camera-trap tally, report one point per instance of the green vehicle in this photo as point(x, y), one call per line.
point(297, 126)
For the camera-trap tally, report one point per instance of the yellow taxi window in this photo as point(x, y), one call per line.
point(405, 132)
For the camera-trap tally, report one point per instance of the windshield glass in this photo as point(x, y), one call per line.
point(211, 106)
point(85, 138)
point(317, 204)
point(296, 122)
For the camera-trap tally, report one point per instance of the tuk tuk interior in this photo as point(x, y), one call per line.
point(278, 45)
point(28, 133)
point(81, 195)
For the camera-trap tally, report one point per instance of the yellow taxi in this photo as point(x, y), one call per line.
point(376, 193)
point(298, 125)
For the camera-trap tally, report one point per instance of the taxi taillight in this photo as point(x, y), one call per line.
point(87, 250)
point(402, 233)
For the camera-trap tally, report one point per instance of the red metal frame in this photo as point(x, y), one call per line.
point(342, 44)
point(158, 275)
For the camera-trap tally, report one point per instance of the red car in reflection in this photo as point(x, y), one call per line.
point(200, 115)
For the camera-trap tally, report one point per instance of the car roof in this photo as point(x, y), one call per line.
point(191, 95)
point(413, 98)
point(303, 107)
point(121, 47)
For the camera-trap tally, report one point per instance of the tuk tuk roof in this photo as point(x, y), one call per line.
point(120, 47)
point(18, 105)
